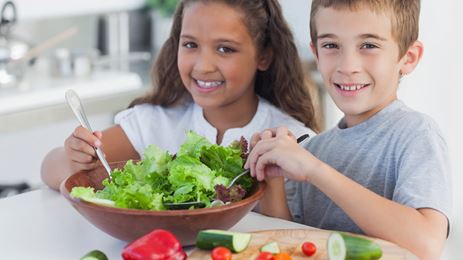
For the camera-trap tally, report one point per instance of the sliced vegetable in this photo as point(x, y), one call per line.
point(94, 255)
point(211, 238)
point(221, 253)
point(282, 256)
point(271, 247)
point(103, 202)
point(157, 245)
point(309, 248)
point(344, 246)
point(264, 256)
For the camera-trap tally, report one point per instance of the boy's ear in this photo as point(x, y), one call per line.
point(265, 59)
point(411, 58)
point(314, 51)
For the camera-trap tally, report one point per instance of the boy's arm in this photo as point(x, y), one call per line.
point(421, 231)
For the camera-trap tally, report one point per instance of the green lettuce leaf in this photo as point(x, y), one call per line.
point(192, 176)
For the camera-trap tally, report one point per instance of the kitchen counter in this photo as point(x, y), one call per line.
point(41, 224)
point(34, 118)
point(44, 102)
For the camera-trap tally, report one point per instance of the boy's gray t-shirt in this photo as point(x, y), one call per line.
point(398, 153)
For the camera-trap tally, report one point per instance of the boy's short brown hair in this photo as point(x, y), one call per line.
point(404, 17)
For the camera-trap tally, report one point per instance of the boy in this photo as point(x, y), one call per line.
point(383, 170)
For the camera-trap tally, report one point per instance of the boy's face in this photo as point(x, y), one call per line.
point(357, 57)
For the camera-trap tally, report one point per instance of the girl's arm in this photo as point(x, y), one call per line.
point(274, 203)
point(116, 146)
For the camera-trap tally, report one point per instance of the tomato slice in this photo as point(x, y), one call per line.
point(264, 256)
point(221, 253)
point(309, 248)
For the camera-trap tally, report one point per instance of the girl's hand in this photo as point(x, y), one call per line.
point(80, 149)
point(276, 153)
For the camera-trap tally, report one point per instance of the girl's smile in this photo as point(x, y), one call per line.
point(206, 86)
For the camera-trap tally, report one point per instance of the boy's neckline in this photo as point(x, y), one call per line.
point(373, 120)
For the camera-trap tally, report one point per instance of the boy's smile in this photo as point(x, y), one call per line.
point(358, 59)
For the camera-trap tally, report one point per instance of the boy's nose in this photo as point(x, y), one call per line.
point(348, 64)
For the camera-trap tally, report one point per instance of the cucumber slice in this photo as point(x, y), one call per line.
point(211, 238)
point(344, 246)
point(103, 202)
point(271, 247)
point(336, 247)
point(94, 255)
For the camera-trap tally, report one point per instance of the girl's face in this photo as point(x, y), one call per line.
point(217, 58)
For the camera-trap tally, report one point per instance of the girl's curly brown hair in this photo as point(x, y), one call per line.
point(283, 84)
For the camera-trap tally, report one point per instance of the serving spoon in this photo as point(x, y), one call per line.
point(74, 103)
point(216, 202)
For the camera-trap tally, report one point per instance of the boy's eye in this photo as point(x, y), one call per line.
point(190, 45)
point(224, 49)
point(330, 46)
point(368, 46)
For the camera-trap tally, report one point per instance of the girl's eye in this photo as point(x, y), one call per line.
point(368, 46)
point(190, 45)
point(224, 49)
point(330, 46)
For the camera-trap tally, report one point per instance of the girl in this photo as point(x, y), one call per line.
point(228, 69)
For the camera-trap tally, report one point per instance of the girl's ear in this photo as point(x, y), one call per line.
point(265, 59)
point(411, 58)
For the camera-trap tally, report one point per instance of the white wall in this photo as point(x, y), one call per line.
point(434, 88)
point(296, 13)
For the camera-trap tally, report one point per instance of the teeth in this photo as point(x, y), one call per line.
point(351, 87)
point(208, 84)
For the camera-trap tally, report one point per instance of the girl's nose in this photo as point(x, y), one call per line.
point(205, 62)
point(349, 63)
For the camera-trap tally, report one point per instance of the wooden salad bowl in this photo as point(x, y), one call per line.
point(130, 224)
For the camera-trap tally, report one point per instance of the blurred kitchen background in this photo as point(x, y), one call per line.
point(104, 50)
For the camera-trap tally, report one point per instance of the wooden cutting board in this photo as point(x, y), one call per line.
point(290, 241)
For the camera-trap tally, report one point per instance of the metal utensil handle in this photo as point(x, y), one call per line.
point(75, 104)
point(300, 139)
point(237, 177)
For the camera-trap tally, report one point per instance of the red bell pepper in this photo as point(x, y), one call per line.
point(157, 245)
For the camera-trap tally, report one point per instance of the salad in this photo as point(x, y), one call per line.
point(198, 172)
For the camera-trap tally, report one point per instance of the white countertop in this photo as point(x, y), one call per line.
point(49, 93)
point(41, 224)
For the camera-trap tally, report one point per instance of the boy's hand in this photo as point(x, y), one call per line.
point(276, 153)
point(80, 149)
